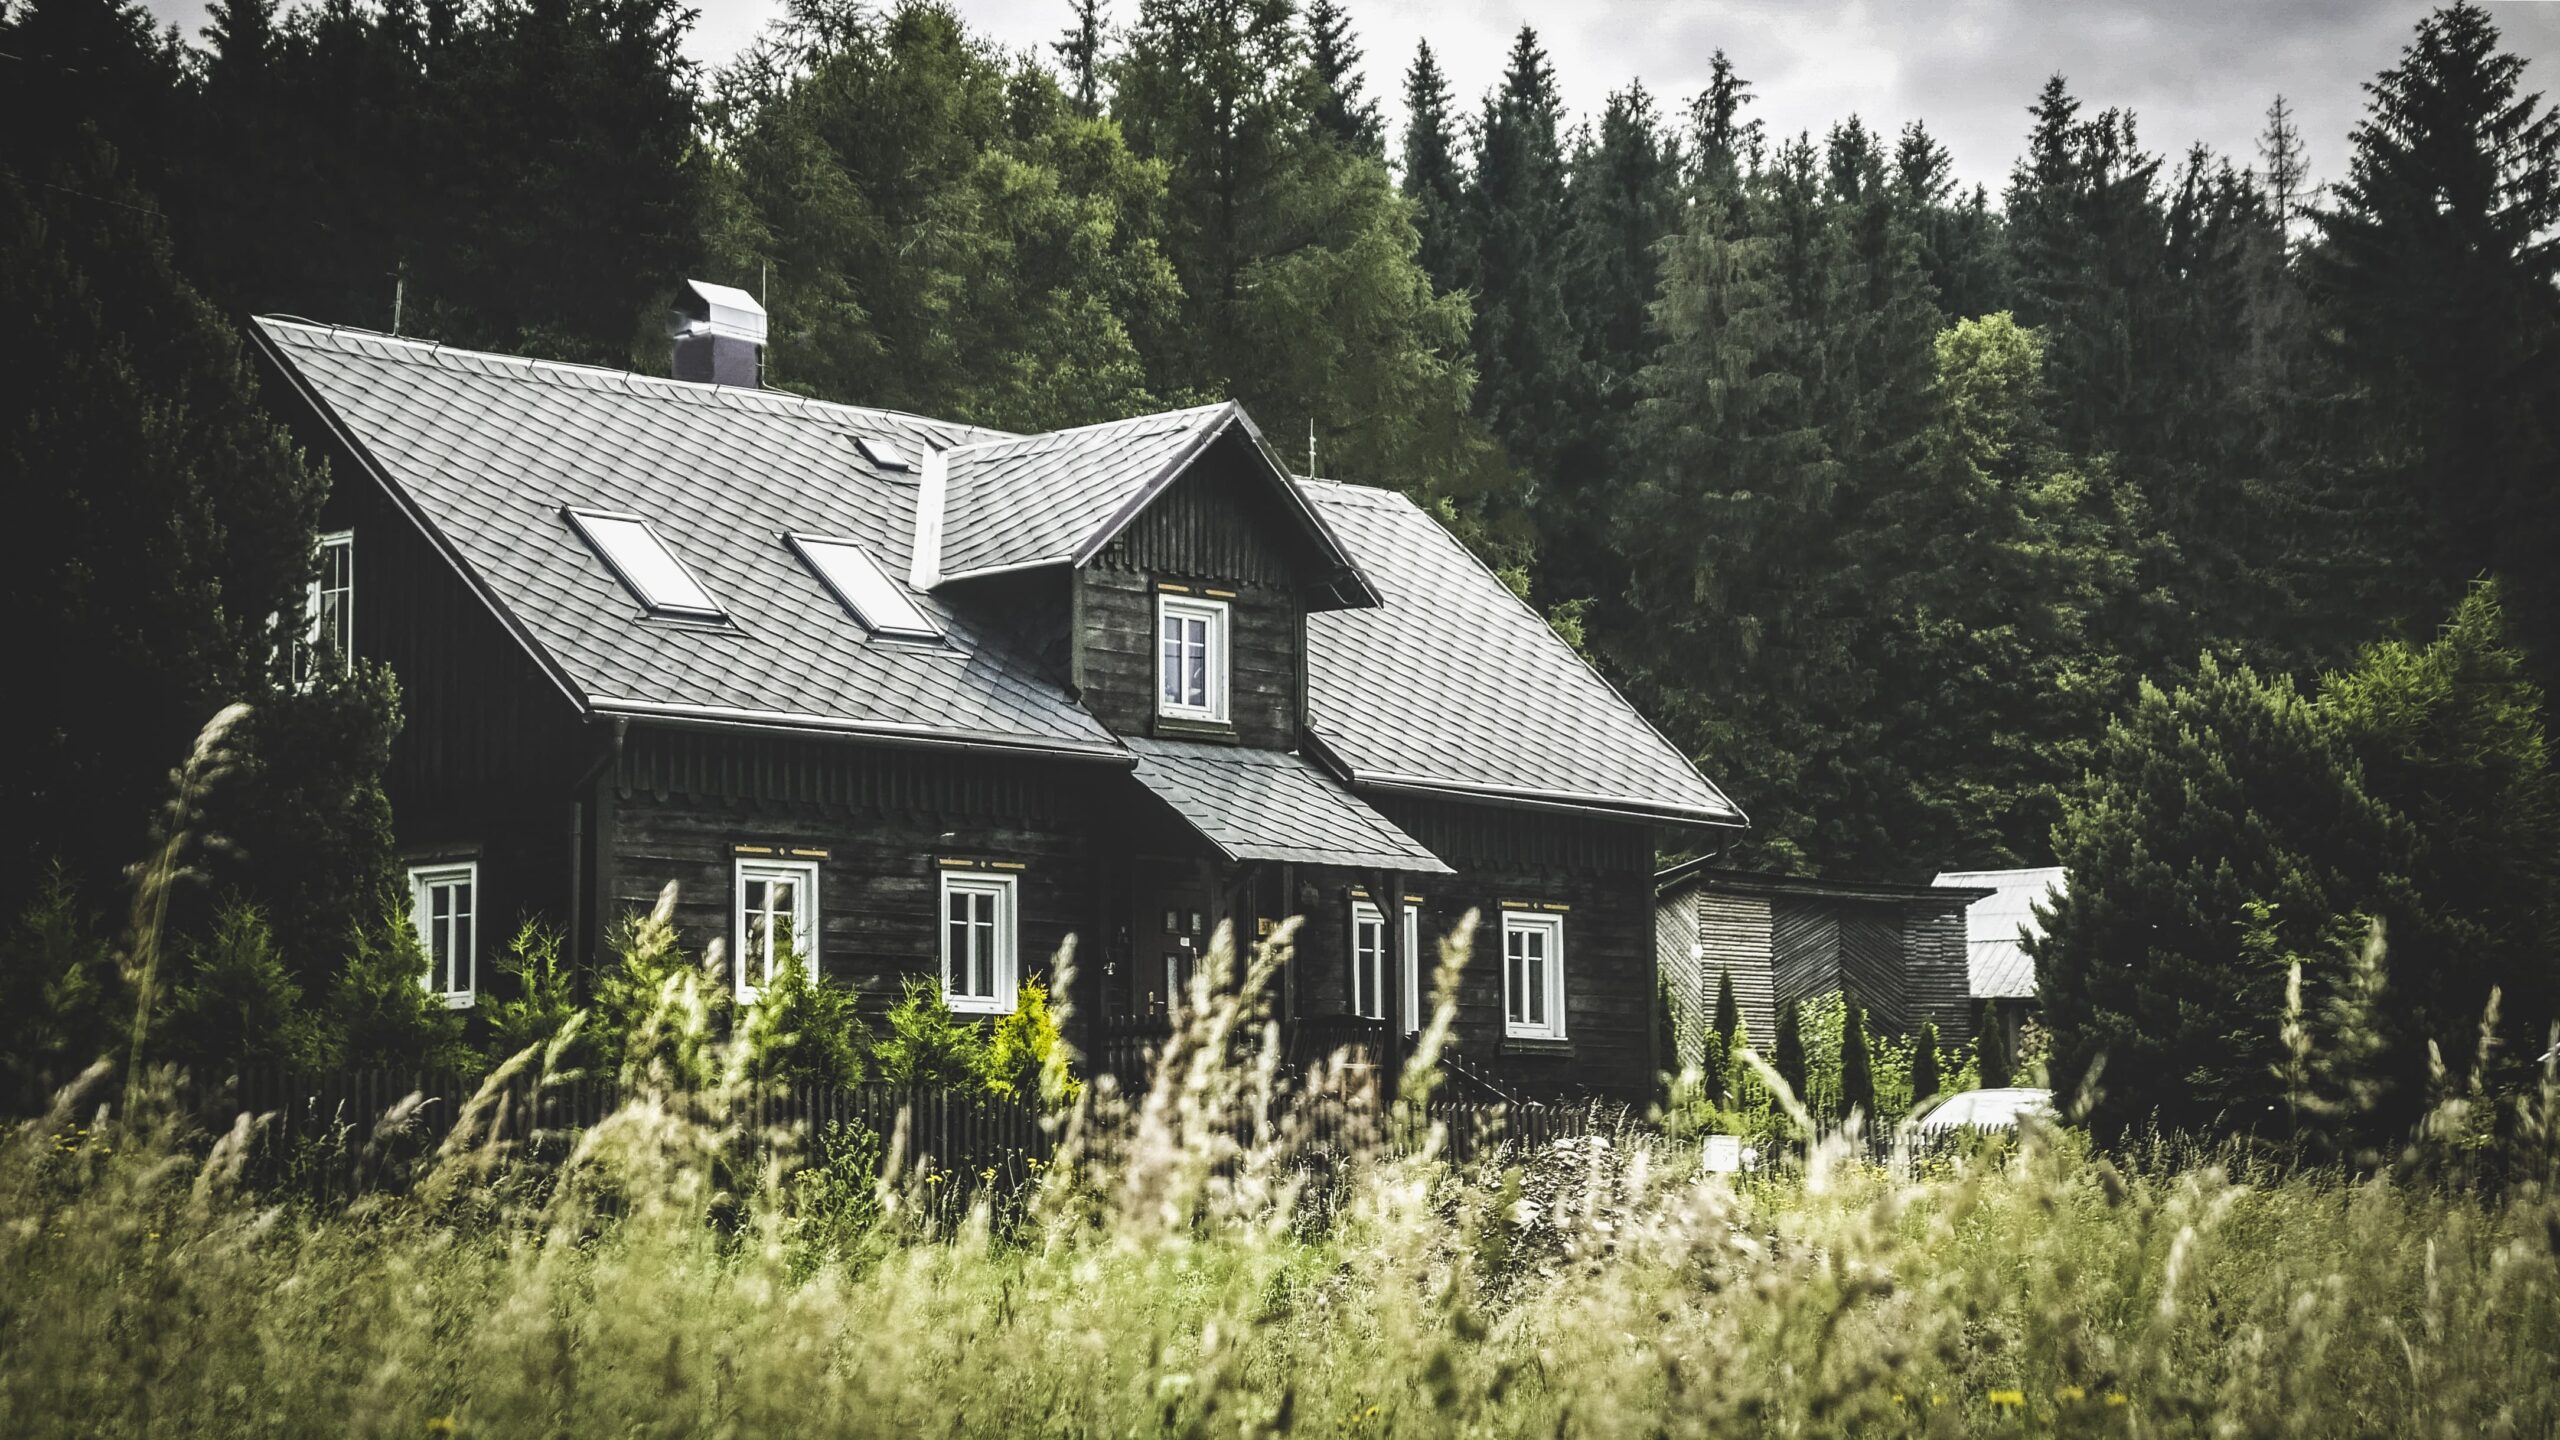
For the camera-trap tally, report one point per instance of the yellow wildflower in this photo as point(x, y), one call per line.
point(2009, 1399)
point(2069, 1393)
point(2115, 1398)
point(441, 1425)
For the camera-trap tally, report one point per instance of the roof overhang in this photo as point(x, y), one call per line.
point(1351, 589)
point(723, 717)
point(1271, 805)
point(1754, 882)
point(1615, 807)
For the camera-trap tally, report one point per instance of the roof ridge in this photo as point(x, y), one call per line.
point(1066, 430)
point(635, 382)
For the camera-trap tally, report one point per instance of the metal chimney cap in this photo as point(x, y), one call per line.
point(703, 308)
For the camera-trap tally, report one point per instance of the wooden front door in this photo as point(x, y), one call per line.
point(1176, 914)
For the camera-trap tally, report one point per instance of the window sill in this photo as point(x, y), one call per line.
point(1177, 727)
point(1536, 1045)
point(460, 1002)
point(977, 1007)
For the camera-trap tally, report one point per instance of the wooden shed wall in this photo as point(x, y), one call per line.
point(1735, 933)
point(1677, 959)
point(1939, 989)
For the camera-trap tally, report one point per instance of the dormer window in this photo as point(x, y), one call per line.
point(1191, 663)
point(883, 607)
point(643, 562)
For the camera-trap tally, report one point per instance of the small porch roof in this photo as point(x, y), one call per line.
point(1271, 805)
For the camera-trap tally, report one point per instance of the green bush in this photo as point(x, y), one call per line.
point(235, 1004)
point(926, 1044)
point(806, 1031)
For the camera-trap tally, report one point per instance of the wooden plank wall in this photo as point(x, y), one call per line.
point(489, 747)
point(1939, 989)
point(1734, 932)
point(1677, 960)
point(1804, 950)
point(1871, 963)
point(885, 819)
point(1215, 528)
point(1601, 870)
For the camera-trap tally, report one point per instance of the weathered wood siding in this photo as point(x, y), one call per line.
point(1600, 870)
point(489, 751)
point(1938, 989)
point(1871, 964)
point(1677, 958)
point(1804, 950)
point(1734, 933)
point(1219, 533)
point(884, 819)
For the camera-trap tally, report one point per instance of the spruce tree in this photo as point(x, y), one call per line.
point(1431, 175)
point(1530, 376)
point(1341, 110)
point(1926, 1080)
point(1728, 1011)
point(1788, 1059)
point(1857, 1066)
point(2438, 278)
point(1079, 51)
point(1991, 1050)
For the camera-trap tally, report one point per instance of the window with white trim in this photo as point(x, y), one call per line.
point(1191, 658)
point(637, 556)
point(329, 605)
point(1369, 963)
point(444, 905)
point(777, 920)
point(978, 922)
point(1533, 975)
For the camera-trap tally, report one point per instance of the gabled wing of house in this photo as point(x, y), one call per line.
point(1424, 672)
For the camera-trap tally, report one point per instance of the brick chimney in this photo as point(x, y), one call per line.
point(719, 332)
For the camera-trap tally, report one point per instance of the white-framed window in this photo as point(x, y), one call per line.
point(1533, 975)
point(1369, 962)
point(631, 547)
point(444, 905)
point(1191, 658)
point(978, 942)
point(329, 605)
point(777, 919)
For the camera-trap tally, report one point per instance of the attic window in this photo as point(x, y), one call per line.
point(884, 453)
point(875, 600)
point(642, 561)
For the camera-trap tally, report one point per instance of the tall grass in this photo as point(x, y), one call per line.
point(1193, 1266)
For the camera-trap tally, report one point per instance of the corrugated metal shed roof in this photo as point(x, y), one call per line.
point(1997, 926)
point(1271, 805)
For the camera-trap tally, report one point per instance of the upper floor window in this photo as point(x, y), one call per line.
point(1369, 963)
point(329, 604)
point(777, 920)
point(1533, 975)
point(1191, 663)
point(643, 562)
point(444, 905)
point(978, 943)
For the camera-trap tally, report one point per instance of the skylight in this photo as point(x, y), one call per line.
point(644, 563)
point(874, 599)
point(887, 454)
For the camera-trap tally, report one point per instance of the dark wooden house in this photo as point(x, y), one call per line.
point(1899, 950)
point(909, 698)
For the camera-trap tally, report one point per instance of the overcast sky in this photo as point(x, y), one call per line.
point(2193, 70)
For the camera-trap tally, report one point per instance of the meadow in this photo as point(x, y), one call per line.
point(1193, 1264)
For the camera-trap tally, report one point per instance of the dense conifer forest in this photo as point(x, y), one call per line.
point(2115, 518)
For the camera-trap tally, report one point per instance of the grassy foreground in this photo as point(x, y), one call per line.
point(673, 1277)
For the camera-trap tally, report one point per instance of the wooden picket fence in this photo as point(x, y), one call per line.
point(334, 1135)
